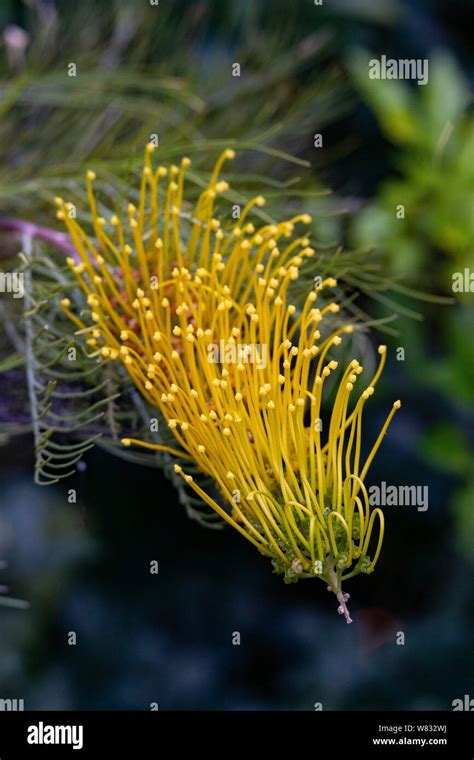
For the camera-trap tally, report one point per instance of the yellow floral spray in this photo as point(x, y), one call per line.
point(205, 327)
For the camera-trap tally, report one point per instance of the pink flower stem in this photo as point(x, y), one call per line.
point(60, 240)
point(342, 598)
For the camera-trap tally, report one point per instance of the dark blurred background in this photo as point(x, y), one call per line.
point(84, 567)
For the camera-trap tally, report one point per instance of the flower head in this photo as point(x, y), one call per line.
point(200, 315)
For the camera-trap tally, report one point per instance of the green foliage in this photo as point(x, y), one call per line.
point(464, 516)
point(130, 83)
point(433, 131)
point(431, 128)
point(446, 447)
point(52, 362)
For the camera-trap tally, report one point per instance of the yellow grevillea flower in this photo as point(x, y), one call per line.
point(200, 316)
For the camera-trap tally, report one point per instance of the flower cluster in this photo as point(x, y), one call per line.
point(166, 287)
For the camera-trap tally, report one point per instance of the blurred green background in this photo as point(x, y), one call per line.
point(84, 567)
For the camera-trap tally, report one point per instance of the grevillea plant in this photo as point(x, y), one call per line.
point(199, 313)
